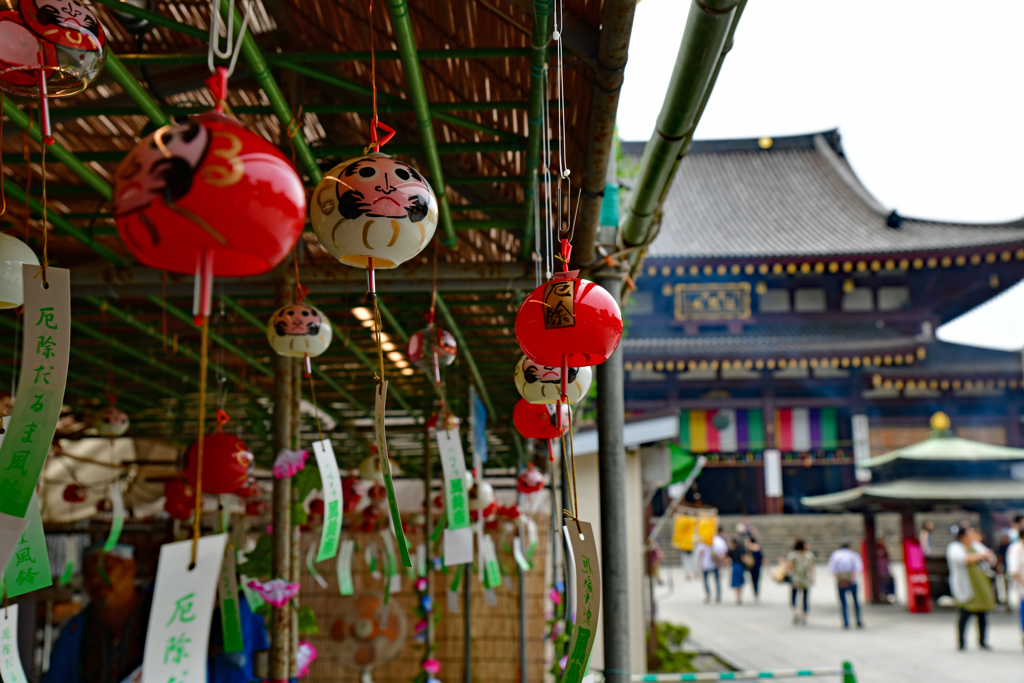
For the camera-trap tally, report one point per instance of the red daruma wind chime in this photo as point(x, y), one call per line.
point(207, 196)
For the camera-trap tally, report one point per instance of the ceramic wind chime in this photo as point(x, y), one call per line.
point(13, 254)
point(48, 49)
point(299, 331)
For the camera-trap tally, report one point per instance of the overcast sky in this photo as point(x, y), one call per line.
point(928, 98)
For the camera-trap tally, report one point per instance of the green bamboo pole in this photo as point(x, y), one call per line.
point(57, 151)
point(286, 58)
point(82, 328)
point(436, 109)
point(402, 25)
point(466, 353)
point(17, 194)
point(134, 90)
point(535, 115)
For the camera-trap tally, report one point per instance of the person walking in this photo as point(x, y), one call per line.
point(845, 565)
point(756, 558)
point(925, 538)
point(800, 562)
point(736, 553)
point(1015, 566)
point(711, 557)
point(971, 587)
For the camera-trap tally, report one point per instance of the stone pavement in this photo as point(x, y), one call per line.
point(894, 647)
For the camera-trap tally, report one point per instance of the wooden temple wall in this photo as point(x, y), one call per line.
point(495, 640)
point(888, 438)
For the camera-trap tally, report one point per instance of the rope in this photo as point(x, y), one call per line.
point(316, 410)
point(302, 291)
point(27, 153)
point(379, 325)
point(43, 263)
point(197, 523)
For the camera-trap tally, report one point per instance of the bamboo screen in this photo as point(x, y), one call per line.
point(495, 630)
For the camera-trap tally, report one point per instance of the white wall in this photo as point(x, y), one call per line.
point(590, 511)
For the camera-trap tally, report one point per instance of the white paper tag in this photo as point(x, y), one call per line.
point(421, 559)
point(453, 466)
point(344, 567)
point(458, 546)
point(10, 659)
point(517, 553)
point(490, 598)
point(372, 563)
point(331, 486)
point(311, 554)
point(179, 624)
point(117, 524)
point(453, 602)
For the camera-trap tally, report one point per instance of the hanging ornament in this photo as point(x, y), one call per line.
point(540, 421)
point(288, 463)
point(482, 502)
point(569, 322)
point(451, 421)
point(299, 330)
point(256, 508)
point(13, 253)
point(374, 212)
point(49, 49)
point(226, 463)
point(250, 489)
point(542, 383)
point(316, 506)
point(180, 498)
point(112, 422)
point(377, 492)
point(369, 469)
point(431, 349)
point(372, 515)
point(74, 493)
point(207, 196)
point(352, 493)
point(530, 480)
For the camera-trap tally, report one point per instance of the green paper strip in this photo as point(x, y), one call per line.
point(118, 522)
point(251, 596)
point(70, 561)
point(457, 578)
point(230, 614)
point(453, 466)
point(29, 567)
point(311, 555)
point(344, 567)
point(421, 559)
point(380, 397)
point(517, 553)
point(439, 529)
point(492, 572)
point(330, 480)
point(44, 370)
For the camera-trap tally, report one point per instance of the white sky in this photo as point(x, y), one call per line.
point(927, 95)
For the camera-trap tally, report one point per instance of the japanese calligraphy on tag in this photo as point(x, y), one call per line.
point(587, 591)
point(117, 500)
point(230, 613)
point(559, 304)
point(44, 372)
point(344, 567)
point(453, 465)
point(10, 527)
point(29, 566)
point(380, 398)
point(330, 534)
point(179, 623)
point(11, 670)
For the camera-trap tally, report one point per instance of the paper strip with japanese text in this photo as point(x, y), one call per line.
point(587, 590)
point(44, 373)
point(331, 485)
point(117, 524)
point(10, 660)
point(344, 567)
point(380, 398)
point(179, 623)
point(453, 466)
point(29, 567)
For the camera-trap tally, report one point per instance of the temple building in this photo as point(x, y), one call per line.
point(782, 307)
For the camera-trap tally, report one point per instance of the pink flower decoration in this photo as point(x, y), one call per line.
point(562, 662)
point(431, 666)
point(555, 596)
point(276, 592)
point(289, 463)
point(306, 655)
point(421, 584)
point(421, 626)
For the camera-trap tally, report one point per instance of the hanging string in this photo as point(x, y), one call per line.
point(433, 288)
point(27, 154)
point(569, 458)
point(197, 524)
point(3, 193)
point(316, 409)
point(43, 263)
point(302, 291)
point(379, 329)
point(291, 130)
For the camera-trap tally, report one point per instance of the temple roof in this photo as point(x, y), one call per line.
point(798, 197)
point(943, 447)
point(945, 359)
point(920, 491)
point(777, 340)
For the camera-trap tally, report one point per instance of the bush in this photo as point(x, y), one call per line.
point(668, 654)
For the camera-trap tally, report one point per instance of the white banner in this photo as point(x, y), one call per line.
point(861, 446)
point(773, 473)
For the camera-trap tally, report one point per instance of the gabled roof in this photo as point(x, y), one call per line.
point(945, 359)
point(941, 491)
point(798, 197)
point(944, 447)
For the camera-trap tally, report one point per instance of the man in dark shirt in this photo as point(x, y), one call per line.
point(105, 642)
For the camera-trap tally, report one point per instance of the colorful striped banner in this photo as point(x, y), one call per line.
point(805, 429)
point(721, 431)
point(797, 430)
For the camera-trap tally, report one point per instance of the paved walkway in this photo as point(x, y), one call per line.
point(894, 647)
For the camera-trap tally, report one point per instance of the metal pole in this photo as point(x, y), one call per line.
point(428, 529)
point(280, 633)
point(611, 465)
point(522, 592)
point(296, 549)
point(467, 631)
